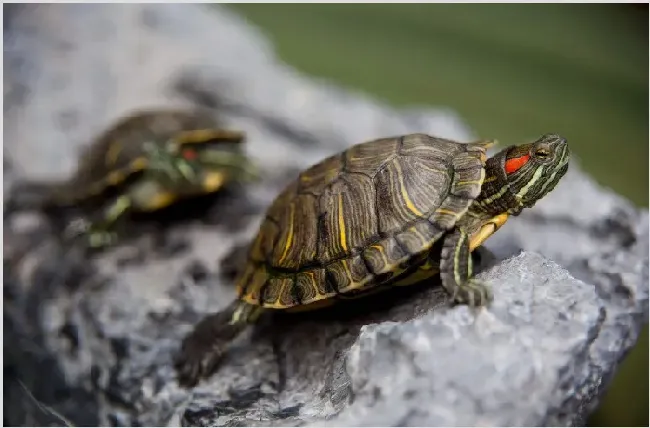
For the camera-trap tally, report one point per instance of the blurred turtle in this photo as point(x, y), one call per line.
point(144, 162)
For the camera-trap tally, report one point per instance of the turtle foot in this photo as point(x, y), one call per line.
point(89, 234)
point(473, 293)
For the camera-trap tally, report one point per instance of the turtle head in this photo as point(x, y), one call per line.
point(518, 176)
point(195, 156)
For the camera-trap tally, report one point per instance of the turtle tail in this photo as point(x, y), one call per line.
point(203, 349)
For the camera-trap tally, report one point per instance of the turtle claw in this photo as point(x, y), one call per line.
point(473, 293)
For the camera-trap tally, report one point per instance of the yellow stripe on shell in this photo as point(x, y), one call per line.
point(343, 237)
point(289, 241)
point(407, 200)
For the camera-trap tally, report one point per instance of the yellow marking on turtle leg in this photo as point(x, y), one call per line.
point(487, 230)
point(344, 242)
point(407, 200)
point(113, 152)
point(213, 181)
point(289, 241)
point(457, 250)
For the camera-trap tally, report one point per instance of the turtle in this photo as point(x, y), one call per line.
point(389, 212)
point(145, 161)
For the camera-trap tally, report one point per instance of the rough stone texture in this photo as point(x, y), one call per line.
point(91, 340)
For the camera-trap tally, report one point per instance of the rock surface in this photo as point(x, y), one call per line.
point(91, 341)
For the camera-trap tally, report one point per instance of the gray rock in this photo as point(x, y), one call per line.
point(93, 339)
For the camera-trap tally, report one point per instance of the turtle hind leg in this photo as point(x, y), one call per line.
point(202, 349)
point(456, 271)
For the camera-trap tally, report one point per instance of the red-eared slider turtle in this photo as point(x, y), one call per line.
point(388, 212)
point(144, 162)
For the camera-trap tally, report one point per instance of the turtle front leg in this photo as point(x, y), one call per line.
point(202, 349)
point(99, 233)
point(456, 271)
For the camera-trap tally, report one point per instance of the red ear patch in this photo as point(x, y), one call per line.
point(190, 154)
point(514, 164)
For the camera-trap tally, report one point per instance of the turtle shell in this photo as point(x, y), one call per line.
point(119, 152)
point(355, 219)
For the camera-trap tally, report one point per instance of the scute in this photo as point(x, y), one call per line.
point(366, 158)
point(421, 235)
point(380, 257)
point(314, 280)
point(414, 188)
point(272, 290)
point(300, 228)
point(345, 224)
point(359, 215)
point(319, 176)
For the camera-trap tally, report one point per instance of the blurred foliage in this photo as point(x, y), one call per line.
point(513, 71)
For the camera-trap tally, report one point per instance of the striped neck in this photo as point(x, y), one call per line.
point(496, 195)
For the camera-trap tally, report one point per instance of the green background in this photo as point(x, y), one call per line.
point(512, 71)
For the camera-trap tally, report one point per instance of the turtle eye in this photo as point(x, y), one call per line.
point(542, 153)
